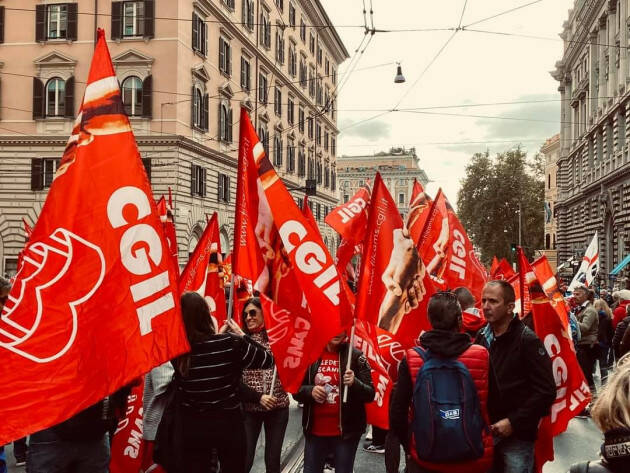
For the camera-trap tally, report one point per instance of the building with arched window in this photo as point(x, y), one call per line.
point(183, 84)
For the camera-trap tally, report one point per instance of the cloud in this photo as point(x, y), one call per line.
point(373, 130)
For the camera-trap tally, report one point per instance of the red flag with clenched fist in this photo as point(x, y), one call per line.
point(97, 291)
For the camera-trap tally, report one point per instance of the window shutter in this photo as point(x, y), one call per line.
point(229, 124)
point(203, 182)
point(40, 22)
point(147, 97)
point(205, 38)
point(37, 174)
point(229, 59)
point(146, 162)
point(72, 21)
point(69, 106)
point(116, 20)
point(149, 18)
point(242, 72)
point(38, 98)
point(227, 188)
point(206, 112)
point(193, 179)
point(1, 24)
point(221, 123)
point(193, 97)
point(222, 58)
point(250, 14)
point(220, 188)
point(195, 33)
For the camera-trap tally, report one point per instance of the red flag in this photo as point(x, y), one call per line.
point(394, 286)
point(545, 275)
point(166, 217)
point(572, 392)
point(127, 448)
point(419, 210)
point(96, 292)
point(193, 277)
point(350, 219)
point(215, 281)
point(28, 231)
point(504, 271)
point(494, 267)
point(312, 266)
point(306, 210)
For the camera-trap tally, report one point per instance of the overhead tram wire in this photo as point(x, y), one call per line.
point(501, 13)
point(461, 18)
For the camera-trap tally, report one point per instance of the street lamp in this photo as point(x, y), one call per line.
point(399, 79)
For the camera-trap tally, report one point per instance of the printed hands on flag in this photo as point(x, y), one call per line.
point(403, 279)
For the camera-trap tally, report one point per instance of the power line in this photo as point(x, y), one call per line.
point(461, 18)
point(501, 13)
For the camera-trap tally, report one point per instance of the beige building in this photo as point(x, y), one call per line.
point(551, 152)
point(185, 69)
point(398, 168)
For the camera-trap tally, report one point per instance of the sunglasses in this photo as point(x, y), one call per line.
point(251, 313)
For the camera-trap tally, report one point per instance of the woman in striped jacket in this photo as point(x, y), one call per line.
point(207, 381)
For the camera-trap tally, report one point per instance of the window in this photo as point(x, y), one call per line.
point(146, 162)
point(1, 24)
point(43, 172)
point(245, 74)
point(319, 172)
point(263, 136)
point(302, 72)
point(133, 18)
point(291, 157)
point(333, 146)
point(302, 30)
point(318, 134)
point(326, 177)
point(301, 119)
point(224, 188)
point(320, 54)
point(401, 198)
point(197, 180)
point(280, 5)
point(333, 179)
point(225, 123)
point(325, 140)
point(291, 111)
point(262, 88)
point(310, 171)
point(301, 162)
point(311, 44)
point(279, 47)
point(310, 127)
point(318, 214)
point(225, 57)
point(327, 67)
point(319, 91)
point(277, 151)
point(57, 21)
point(199, 35)
point(132, 96)
point(248, 14)
point(229, 4)
point(300, 202)
point(55, 97)
point(548, 183)
point(292, 60)
point(199, 110)
point(292, 15)
point(346, 197)
point(265, 29)
point(311, 81)
point(277, 101)
point(334, 76)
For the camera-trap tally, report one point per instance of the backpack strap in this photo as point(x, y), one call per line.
point(581, 467)
point(422, 353)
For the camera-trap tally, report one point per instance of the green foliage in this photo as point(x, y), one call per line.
point(489, 197)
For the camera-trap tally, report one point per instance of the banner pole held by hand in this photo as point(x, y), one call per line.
point(273, 380)
point(350, 345)
point(231, 299)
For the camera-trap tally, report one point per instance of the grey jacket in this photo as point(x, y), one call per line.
point(588, 320)
point(155, 384)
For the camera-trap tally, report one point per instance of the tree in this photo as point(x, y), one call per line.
point(489, 197)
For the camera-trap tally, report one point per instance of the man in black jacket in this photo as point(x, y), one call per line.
point(522, 388)
point(331, 425)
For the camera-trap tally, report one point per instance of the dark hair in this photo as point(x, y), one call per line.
point(444, 311)
point(254, 301)
point(465, 297)
point(506, 288)
point(4, 284)
point(196, 315)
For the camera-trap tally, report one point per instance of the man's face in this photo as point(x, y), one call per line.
point(580, 295)
point(494, 307)
point(337, 340)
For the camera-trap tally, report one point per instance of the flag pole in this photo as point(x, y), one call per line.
point(231, 298)
point(273, 380)
point(350, 345)
point(521, 280)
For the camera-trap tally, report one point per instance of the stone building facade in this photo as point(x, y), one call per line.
point(594, 162)
point(551, 151)
point(185, 69)
point(398, 168)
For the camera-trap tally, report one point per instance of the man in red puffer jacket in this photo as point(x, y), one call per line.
point(444, 341)
point(620, 311)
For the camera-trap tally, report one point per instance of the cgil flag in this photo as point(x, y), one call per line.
point(589, 267)
point(96, 291)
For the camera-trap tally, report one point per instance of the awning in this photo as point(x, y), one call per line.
point(620, 266)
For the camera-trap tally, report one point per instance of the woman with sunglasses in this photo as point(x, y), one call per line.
point(264, 405)
point(207, 381)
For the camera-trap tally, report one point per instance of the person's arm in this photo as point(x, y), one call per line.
point(248, 394)
point(399, 405)
point(619, 333)
point(588, 321)
point(541, 387)
point(304, 393)
point(362, 387)
point(253, 355)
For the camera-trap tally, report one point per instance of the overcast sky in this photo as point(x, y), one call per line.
point(473, 68)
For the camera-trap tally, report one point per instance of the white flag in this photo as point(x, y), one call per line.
point(589, 267)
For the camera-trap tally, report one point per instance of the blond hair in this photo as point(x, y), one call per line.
point(612, 408)
point(600, 304)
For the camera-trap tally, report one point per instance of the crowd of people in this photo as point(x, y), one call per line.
point(468, 398)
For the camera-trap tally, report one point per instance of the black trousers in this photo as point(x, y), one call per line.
point(378, 436)
point(275, 423)
point(587, 356)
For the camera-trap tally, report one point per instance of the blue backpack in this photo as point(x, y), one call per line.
point(447, 423)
